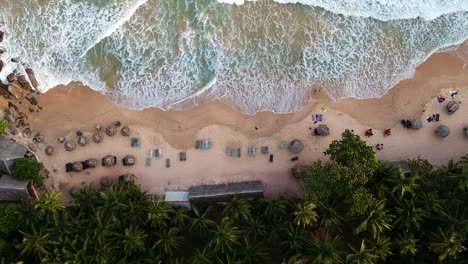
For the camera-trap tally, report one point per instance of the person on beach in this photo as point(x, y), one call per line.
point(98, 127)
point(388, 132)
point(61, 139)
point(379, 146)
point(369, 132)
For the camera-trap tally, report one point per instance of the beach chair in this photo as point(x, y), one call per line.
point(158, 153)
point(437, 118)
point(135, 142)
point(239, 152)
point(228, 151)
point(283, 144)
point(148, 162)
point(197, 144)
point(168, 163)
point(430, 119)
point(69, 167)
point(233, 152)
point(265, 150)
point(208, 144)
point(271, 157)
point(254, 151)
point(183, 156)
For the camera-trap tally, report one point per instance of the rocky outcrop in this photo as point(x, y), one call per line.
point(21, 77)
point(16, 89)
point(32, 77)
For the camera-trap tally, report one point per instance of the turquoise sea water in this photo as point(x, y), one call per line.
point(256, 56)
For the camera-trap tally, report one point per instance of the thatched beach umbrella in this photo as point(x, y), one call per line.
point(69, 145)
point(77, 166)
point(75, 192)
point(108, 160)
point(125, 131)
point(296, 146)
point(417, 124)
point(92, 163)
point(49, 150)
point(97, 137)
point(110, 131)
point(127, 177)
point(452, 107)
point(129, 160)
point(322, 130)
point(83, 140)
point(442, 131)
point(106, 181)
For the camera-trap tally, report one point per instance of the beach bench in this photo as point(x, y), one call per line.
point(158, 153)
point(251, 151)
point(135, 142)
point(198, 144)
point(183, 156)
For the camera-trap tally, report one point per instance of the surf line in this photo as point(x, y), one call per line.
point(115, 26)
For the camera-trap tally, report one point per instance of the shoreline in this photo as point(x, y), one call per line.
point(67, 109)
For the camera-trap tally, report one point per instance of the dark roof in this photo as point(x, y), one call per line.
point(12, 189)
point(10, 152)
point(404, 165)
point(245, 188)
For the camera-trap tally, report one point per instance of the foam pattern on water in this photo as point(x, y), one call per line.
point(259, 56)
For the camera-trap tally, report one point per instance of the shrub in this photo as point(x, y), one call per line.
point(7, 219)
point(3, 126)
point(27, 168)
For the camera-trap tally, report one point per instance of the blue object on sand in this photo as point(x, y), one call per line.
point(430, 119)
point(283, 144)
point(319, 118)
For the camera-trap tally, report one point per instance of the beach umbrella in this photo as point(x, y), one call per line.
point(83, 140)
point(129, 160)
point(108, 160)
point(49, 150)
point(77, 166)
point(442, 131)
point(75, 192)
point(69, 145)
point(417, 124)
point(322, 130)
point(452, 107)
point(110, 131)
point(106, 181)
point(125, 131)
point(296, 146)
point(92, 163)
point(97, 137)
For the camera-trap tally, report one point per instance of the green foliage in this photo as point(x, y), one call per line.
point(7, 219)
point(27, 168)
point(3, 126)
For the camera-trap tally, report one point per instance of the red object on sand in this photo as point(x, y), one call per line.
point(388, 132)
point(369, 133)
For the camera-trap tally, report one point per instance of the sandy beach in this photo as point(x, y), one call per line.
point(74, 107)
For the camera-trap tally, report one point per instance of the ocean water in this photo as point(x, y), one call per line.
point(264, 55)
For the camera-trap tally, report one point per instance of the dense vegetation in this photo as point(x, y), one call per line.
point(3, 126)
point(357, 210)
point(27, 168)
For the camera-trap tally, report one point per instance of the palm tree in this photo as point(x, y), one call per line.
point(325, 250)
point(26, 213)
point(460, 177)
point(201, 257)
point(404, 184)
point(238, 209)
point(253, 252)
point(361, 255)
point(447, 245)
point(407, 244)
point(377, 221)
point(225, 237)
point(87, 201)
point(230, 259)
point(49, 207)
point(179, 217)
point(330, 219)
point(158, 214)
point(455, 216)
point(381, 247)
point(37, 244)
point(256, 228)
point(277, 207)
point(409, 216)
point(201, 223)
point(168, 240)
point(305, 214)
point(101, 230)
point(111, 202)
point(294, 238)
point(430, 201)
point(296, 259)
point(133, 240)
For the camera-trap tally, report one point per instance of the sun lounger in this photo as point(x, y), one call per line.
point(208, 144)
point(430, 119)
point(148, 162)
point(265, 150)
point(271, 157)
point(282, 144)
point(437, 117)
point(197, 144)
point(183, 156)
point(319, 118)
point(158, 153)
point(228, 151)
point(238, 152)
point(68, 167)
point(233, 152)
point(168, 163)
point(85, 165)
point(135, 142)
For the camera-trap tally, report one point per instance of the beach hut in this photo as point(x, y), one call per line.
point(125, 131)
point(97, 137)
point(49, 150)
point(417, 124)
point(10, 151)
point(127, 178)
point(75, 191)
point(296, 146)
point(322, 130)
point(91, 163)
point(180, 199)
point(206, 195)
point(442, 131)
point(82, 140)
point(12, 189)
point(77, 166)
point(111, 131)
point(129, 160)
point(69, 145)
point(105, 181)
point(452, 107)
point(109, 160)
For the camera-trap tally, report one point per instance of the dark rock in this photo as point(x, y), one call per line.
point(21, 77)
point(106, 181)
point(21, 115)
point(2, 36)
point(92, 163)
point(77, 166)
point(31, 110)
point(1, 65)
point(322, 130)
point(125, 131)
point(32, 77)
point(32, 100)
point(11, 77)
point(16, 89)
point(21, 123)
